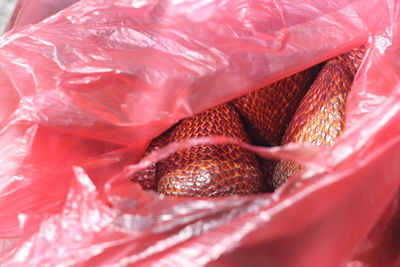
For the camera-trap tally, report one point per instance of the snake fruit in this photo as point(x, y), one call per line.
point(208, 170)
point(268, 110)
point(319, 119)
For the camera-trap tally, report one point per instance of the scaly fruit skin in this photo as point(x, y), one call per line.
point(319, 120)
point(268, 110)
point(267, 169)
point(209, 170)
point(147, 177)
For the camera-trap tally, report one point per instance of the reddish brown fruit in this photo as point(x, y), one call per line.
point(267, 168)
point(146, 178)
point(267, 111)
point(209, 170)
point(319, 120)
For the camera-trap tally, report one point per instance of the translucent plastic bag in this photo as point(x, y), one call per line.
point(32, 11)
point(85, 91)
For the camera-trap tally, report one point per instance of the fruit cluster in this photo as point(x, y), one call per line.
point(306, 107)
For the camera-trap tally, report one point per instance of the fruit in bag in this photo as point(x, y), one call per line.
point(90, 87)
point(320, 117)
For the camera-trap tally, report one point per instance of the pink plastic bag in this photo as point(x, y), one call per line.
point(86, 90)
point(33, 11)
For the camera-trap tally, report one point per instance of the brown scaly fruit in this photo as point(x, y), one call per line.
point(147, 177)
point(208, 170)
point(268, 110)
point(319, 120)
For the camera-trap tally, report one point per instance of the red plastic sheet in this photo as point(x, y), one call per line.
point(84, 91)
point(33, 11)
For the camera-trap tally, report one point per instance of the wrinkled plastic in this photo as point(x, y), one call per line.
point(85, 91)
point(33, 11)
